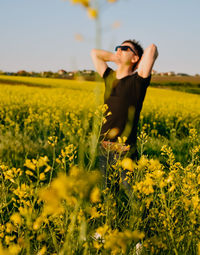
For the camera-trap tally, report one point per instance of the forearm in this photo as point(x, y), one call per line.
point(147, 61)
point(103, 55)
point(152, 51)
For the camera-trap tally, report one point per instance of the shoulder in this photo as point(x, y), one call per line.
point(139, 79)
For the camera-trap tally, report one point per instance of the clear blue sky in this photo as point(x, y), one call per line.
point(39, 35)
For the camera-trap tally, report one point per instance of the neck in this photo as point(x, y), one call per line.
point(123, 71)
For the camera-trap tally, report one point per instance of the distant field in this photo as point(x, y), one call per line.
point(176, 79)
point(188, 84)
point(46, 82)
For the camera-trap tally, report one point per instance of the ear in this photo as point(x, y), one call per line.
point(134, 59)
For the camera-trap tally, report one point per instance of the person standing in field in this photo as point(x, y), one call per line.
point(125, 90)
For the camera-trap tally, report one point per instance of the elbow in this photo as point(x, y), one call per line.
point(93, 52)
point(153, 50)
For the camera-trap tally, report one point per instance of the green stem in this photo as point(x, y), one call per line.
point(169, 220)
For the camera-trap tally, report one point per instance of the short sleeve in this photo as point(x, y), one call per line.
point(106, 73)
point(143, 81)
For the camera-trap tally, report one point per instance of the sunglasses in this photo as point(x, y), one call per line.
point(125, 48)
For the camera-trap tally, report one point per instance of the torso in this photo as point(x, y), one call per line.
point(124, 98)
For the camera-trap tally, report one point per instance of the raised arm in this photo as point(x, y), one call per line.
point(100, 57)
point(147, 61)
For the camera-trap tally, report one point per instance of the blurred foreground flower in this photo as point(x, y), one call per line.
point(128, 164)
point(92, 13)
point(113, 133)
point(117, 241)
point(116, 24)
point(85, 3)
point(78, 185)
point(78, 37)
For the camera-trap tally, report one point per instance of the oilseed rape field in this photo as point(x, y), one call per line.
point(53, 197)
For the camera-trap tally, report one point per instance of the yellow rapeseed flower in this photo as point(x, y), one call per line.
point(92, 13)
point(142, 163)
point(117, 241)
point(128, 164)
point(85, 3)
point(29, 164)
point(94, 214)
point(97, 245)
point(195, 201)
point(198, 248)
point(95, 195)
point(42, 176)
point(28, 172)
point(9, 227)
point(14, 249)
point(16, 218)
point(102, 230)
point(42, 251)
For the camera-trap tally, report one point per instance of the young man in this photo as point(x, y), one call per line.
point(125, 90)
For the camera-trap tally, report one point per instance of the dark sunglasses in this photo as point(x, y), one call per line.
point(125, 48)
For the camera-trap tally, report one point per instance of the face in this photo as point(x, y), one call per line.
point(127, 55)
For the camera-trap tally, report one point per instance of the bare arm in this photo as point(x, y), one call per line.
point(147, 61)
point(100, 57)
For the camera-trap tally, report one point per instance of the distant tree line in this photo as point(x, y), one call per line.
point(89, 75)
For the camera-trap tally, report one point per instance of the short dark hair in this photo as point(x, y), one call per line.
point(138, 48)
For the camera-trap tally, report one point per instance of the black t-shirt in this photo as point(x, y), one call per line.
point(124, 98)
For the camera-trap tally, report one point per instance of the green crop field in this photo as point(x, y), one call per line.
point(176, 79)
point(190, 84)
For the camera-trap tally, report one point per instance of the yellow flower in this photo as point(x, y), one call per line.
point(3, 251)
point(198, 248)
point(154, 165)
point(172, 188)
point(29, 164)
point(92, 13)
point(14, 249)
point(116, 24)
point(113, 133)
point(142, 163)
point(128, 164)
point(28, 172)
point(37, 224)
point(42, 251)
point(95, 195)
point(102, 230)
point(47, 169)
point(117, 241)
point(9, 227)
point(52, 202)
point(42, 176)
point(16, 218)
point(94, 213)
point(195, 201)
point(198, 179)
point(42, 161)
point(78, 37)
point(97, 245)
point(169, 179)
point(85, 3)
point(9, 239)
